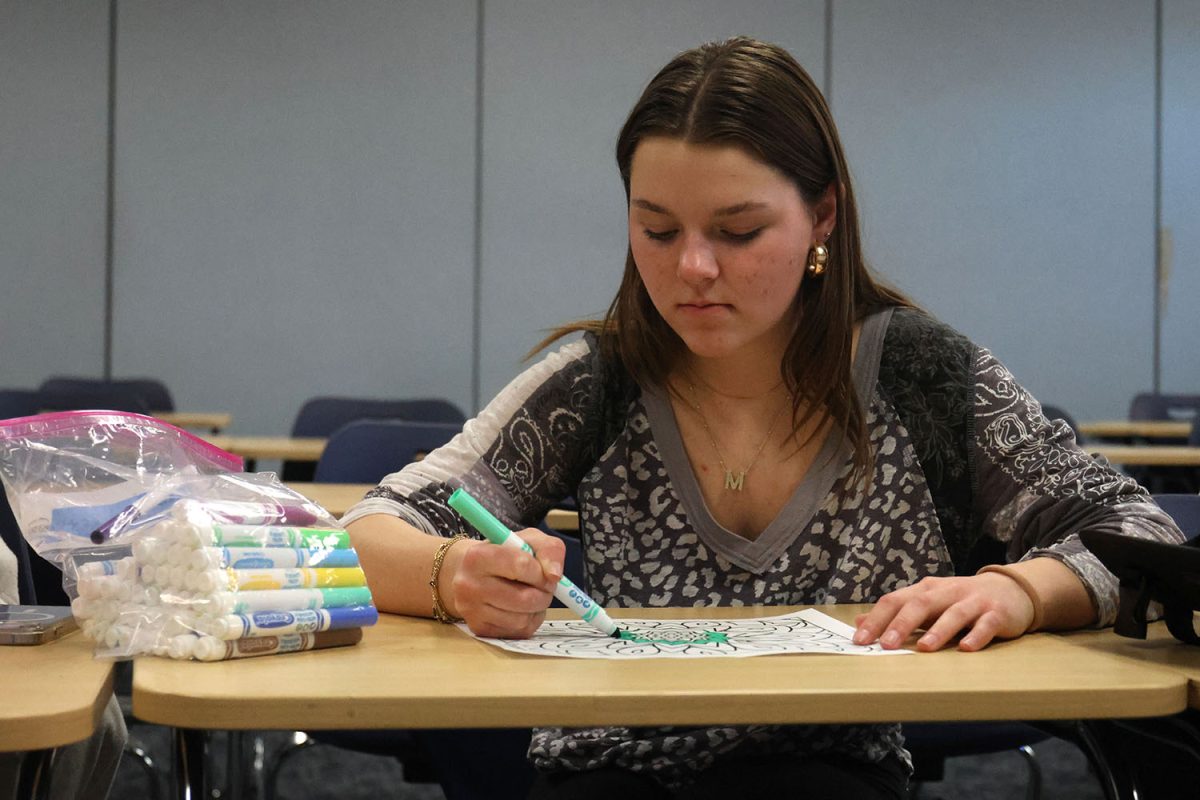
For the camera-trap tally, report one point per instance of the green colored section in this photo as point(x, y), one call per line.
point(279, 536)
point(701, 637)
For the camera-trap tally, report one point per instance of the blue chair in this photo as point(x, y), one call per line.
point(366, 450)
point(154, 393)
point(56, 395)
point(1152, 405)
point(19, 403)
point(321, 416)
point(1184, 509)
point(1155, 406)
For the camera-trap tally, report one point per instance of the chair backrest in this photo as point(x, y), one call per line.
point(154, 393)
point(19, 403)
point(1194, 436)
point(366, 450)
point(321, 416)
point(99, 395)
point(1149, 405)
point(1184, 509)
point(1055, 412)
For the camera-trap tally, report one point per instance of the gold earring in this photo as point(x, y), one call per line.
point(818, 257)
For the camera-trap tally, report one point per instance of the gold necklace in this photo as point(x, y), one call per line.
point(734, 480)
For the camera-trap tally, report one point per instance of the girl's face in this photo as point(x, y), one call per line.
point(720, 240)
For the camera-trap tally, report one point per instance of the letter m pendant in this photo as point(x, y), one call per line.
point(734, 480)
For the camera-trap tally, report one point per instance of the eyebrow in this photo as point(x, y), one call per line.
point(728, 211)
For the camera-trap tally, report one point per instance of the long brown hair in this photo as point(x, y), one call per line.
point(754, 95)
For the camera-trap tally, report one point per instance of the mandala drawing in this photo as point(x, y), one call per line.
point(806, 631)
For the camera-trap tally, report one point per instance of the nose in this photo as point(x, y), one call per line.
point(697, 261)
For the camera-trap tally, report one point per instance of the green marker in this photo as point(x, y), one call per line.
point(567, 592)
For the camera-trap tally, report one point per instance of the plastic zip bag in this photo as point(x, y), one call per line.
point(167, 549)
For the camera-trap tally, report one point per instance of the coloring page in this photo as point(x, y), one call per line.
point(807, 631)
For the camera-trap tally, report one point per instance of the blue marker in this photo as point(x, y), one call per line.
point(568, 593)
point(275, 623)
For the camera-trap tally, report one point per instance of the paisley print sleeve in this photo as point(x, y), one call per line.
point(1037, 488)
point(524, 452)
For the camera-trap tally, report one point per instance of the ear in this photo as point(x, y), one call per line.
point(825, 212)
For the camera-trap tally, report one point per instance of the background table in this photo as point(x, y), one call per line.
point(214, 421)
point(1165, 455)
point(288, 448)
point(1142, 428)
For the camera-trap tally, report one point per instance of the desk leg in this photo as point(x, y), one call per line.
point(188, 769)
point(33, 777)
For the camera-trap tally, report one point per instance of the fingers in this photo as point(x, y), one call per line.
point(897, 615)
point(503, 591)
point(986, 606)
point(550, 551)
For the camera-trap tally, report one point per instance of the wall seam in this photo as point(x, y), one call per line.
point(1159, 288)
point(110, 188)
point(477, 244)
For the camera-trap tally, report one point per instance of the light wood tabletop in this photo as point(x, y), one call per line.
point(336, 498)
point(417, 673)
point(1159, 648)
point(285, 447)
point(52, 694)
point(214, 421)
point(1141, 428)
point(1165, 455)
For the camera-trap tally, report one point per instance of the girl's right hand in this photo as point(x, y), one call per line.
point(502, 592)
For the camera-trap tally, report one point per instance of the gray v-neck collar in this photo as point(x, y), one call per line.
point(756, 556)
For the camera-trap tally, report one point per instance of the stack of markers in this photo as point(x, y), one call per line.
point(214, 591)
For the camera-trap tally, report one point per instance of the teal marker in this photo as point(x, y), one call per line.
point(568, 593)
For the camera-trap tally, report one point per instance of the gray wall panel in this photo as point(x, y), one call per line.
point(558, 84)
point(1004, 156)
point(296, 185)
point(1181, 195)
point(53, 122)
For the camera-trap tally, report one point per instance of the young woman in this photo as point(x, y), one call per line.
point(757, 421)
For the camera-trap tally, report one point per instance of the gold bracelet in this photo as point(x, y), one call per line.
point(1039, 610)
point(439, 611)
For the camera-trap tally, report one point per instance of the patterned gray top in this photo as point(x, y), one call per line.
point(572, 424)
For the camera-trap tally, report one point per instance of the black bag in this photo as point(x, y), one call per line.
point(1167, 573)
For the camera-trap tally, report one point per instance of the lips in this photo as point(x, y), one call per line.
point(702, 307)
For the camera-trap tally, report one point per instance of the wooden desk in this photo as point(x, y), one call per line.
point(1165, 455)
point(285, 447)
point(52, 694)
point(336, 498)
point(1127, 428)
point(417, 673)
point(214, 421)
point(1159, 648)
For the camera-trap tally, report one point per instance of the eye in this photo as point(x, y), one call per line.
point(741, 238)
point(659, 236)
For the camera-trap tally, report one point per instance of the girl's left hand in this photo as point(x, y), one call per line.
point(989, 605)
